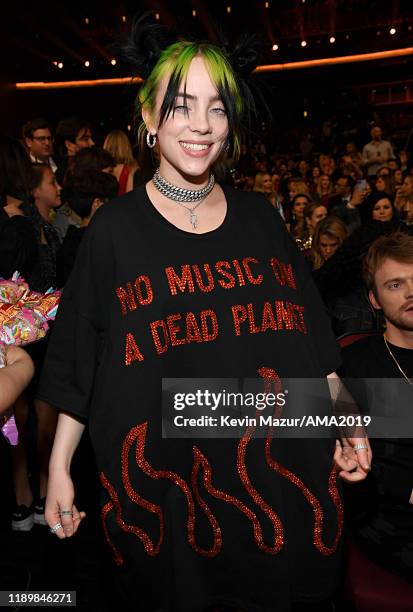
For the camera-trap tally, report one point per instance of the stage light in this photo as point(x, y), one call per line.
point(228, 9)
point(87, 63)
point(305, 113)
point(60, 65)
point(124, 18)
point(194, 13)
point(157, 16)
point(87, 20)
point(347, 36)
point(303, 43)
point(129, 127)
point(378, 33)
point(275, 47)
point(392, 31)
point(267, 5)
point(332, 39)
point(113, 62)
point(410, 28)
point(55, 63)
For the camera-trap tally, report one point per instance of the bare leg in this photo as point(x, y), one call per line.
point(23, 492)
point(46, 427)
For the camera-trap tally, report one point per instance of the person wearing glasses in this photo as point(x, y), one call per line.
point(38, 140)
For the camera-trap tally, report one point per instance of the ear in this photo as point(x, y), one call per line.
point(70, 147)
point(146, 116)
point(373, 301)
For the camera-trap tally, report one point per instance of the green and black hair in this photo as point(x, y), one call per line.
point(175, 61)
point(155, 57)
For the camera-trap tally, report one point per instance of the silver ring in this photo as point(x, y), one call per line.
point(66, 513)
point(56, 527)
point(362, 446)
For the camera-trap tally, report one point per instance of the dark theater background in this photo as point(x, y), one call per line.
point(47, 43)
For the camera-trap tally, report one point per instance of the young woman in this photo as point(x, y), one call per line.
point(329, 235)
point(324, 189)
point(46, 197)
point(29, 507)
point(119, 146)
point(312, 215)
point(162, 287)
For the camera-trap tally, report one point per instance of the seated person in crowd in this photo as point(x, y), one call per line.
point(346, 200)
point(383, 524)
point(86, 194)
point(88, 159)
point(72, 135)
point(313, 214)
point(38, 141)
point(329, 235)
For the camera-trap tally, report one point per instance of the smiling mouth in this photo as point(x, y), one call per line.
point(192, 146)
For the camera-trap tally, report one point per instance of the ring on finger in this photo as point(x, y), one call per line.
point(56, 527)
point(66, 513)
point(357, 447)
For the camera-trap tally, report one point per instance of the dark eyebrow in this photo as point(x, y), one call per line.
point(191, 97)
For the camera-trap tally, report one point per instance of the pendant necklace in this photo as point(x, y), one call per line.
point(181, 195)
point(396, 362)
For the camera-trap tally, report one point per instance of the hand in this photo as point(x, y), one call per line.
point(355, 465)
point(60, 496)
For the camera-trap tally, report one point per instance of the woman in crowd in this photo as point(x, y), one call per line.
point(29, 508)
point(263, 183)
point(296, 224)
point(384, 184)
point(340, 279)
point(324, 189)
point(46, 198)
point(119, 146)
point(312, 215)
point(329, 235)
point(185, 526)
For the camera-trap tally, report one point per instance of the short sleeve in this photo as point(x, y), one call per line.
point(80, 328)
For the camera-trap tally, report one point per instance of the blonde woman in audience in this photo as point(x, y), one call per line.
point(329, 235)
point(324, 189)
point(119, 146)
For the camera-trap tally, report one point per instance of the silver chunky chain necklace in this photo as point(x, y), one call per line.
point(180, 195)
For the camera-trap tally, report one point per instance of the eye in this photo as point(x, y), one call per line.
point(394, 285)
point(218, 110)
point(181, 108)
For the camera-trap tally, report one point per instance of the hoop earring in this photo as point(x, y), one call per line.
point(150, 140)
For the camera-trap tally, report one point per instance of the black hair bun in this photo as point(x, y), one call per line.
point(144, 43)
point(246, 54)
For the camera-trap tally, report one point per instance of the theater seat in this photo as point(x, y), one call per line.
point(347, 339)
point(370, 588)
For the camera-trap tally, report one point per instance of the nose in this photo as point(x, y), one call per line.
point(200, 121)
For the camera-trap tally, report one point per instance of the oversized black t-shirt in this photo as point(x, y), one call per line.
point(196, 523)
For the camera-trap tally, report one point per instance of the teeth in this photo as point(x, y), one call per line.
point(194, 147)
